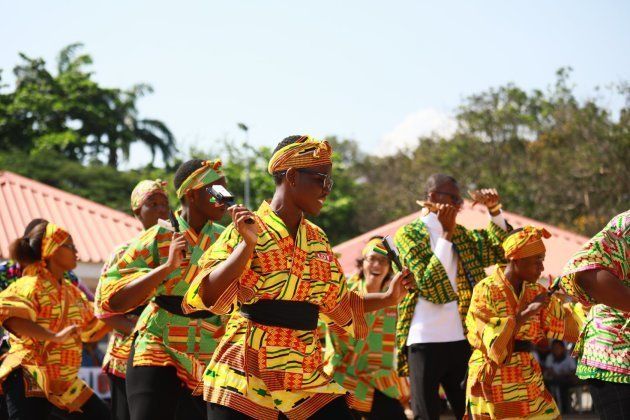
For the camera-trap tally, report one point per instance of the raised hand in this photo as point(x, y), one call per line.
point(489, 197)
point(447, 216)
point(240, 216)
point(400, 285)
point(176, 251)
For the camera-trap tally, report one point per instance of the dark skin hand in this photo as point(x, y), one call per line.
point(605, 287)
point(300, 192)
point(197, 210)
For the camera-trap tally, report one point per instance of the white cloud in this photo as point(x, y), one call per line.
point(423, 122)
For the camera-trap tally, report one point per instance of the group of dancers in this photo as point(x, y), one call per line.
point(257, 319)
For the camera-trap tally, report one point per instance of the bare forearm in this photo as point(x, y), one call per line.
point(375, 301)
point(27, 328)
point(120, 323)
point(605, 288)
point(136, 292)
point(225, 273)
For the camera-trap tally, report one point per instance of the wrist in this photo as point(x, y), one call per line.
point(495, 210)
point(447, 234)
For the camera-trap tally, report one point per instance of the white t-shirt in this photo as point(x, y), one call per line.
point(433, 323)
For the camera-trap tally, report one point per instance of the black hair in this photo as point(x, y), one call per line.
point(185, 170)
point(279, 176)
point(28, 249)
point(435, 181)
point(556, 341)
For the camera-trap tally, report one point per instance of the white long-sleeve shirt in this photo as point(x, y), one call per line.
point(433, 323)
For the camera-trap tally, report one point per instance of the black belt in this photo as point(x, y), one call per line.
point(173, 304)
point(137, 311)
point(283, 313)
point(523, 346)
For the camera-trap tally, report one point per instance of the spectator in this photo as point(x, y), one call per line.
point(560, 374)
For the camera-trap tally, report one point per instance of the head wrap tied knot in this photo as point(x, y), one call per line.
point(306, 152)
point(209, 172)
point(525, 243)
point(145, 189)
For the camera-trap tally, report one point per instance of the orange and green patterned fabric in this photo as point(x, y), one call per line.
point(163, 338)
point(603, 351)
point(263, 370)
point(476, 249)
point(362, 366)
point(119, 345)
point(50, 369)
point(503, 384)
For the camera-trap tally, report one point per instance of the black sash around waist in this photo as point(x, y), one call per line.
point(173, 304)
point(523, 346)
point(137, 311)
point(283, 313)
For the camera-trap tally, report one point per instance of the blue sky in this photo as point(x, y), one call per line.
point(381, 72)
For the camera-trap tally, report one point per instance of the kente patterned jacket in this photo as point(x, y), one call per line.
point(603, 350)
point(476, 250)
point(50, 369)
point(262, 370)
point(163, 338)
point(503, 383)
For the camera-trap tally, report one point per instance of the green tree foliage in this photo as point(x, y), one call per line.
point(553, 157)
point(70, 113)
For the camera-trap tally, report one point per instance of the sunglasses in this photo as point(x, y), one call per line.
point(326, 179)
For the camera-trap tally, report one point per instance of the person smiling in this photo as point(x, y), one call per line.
point(276, 277)
point(366, 368)
point(170, 349)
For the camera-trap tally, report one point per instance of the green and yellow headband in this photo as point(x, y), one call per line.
point(375, 245)
point(209, 172)
point(304, 153)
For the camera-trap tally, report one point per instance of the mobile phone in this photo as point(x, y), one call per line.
point(223, 196)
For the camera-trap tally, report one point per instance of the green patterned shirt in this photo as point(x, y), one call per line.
point(476, 250)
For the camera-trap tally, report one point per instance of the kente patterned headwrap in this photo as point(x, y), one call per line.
point(375, 245)
point(53, 239)
point(145, 189)
point(304, 153)
point(209, 172)
point(525, 243)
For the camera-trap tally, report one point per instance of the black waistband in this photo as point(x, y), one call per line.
point(173, 304)
point(137, 311)
point(523, 346)
point(283, 313)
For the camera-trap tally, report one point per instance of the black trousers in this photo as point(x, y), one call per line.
point(337, 409)
point(118, 388)
point(21, 407)
point(383, 407)
point(432, 364)
point(156, 393)
point(611, 399)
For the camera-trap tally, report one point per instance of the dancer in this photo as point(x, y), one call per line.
point(509, 312)
point(149, 203)
point(170, 349)
point(276, 277)
point(48, 318)
point(447, 260)
point(366, 368)
point(599, 275)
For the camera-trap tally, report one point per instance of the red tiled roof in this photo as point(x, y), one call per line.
point(95, 228)
point(560, 247)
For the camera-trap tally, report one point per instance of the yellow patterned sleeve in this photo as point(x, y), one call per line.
point(19, 300)
point(489, 328)
point(140, 257)
point(214, 256)
point(342, 308)
point(562, 321)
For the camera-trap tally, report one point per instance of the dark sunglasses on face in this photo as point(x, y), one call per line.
point(70, 246)
point(326, 179)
